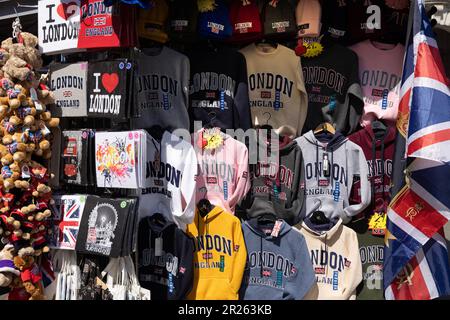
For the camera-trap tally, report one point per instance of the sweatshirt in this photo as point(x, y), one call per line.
point(276, 88)
point(380, 75)
point(276, 183)
point(222, 172)
point(334, 93)
point(335, 258)
point(170, 180)
point(371, 251)
point(330, 169)
point(165, 259)
point(219, 255)
point(379, 152)
point(278, 264)
point(161, 89)
point(218, 88)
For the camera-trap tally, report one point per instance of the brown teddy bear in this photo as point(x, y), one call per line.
point(30, 273)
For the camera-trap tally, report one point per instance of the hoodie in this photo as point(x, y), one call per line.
point(335, 257)
point(330, 169)
point(165, 259)
point(379, 152)
point(276, 184)
point(222, 172)
point(218, 88)
point(278, 264)
point(334, 93)
point(219, 255)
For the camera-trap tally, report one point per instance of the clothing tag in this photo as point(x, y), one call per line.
point(385, 99)
point(158, 246)
point(25, 171)
point(276, 229)
point(225, 190)
point(377, 223)
point(324, 182)
point(144, 293)
point(326, 165)
point(276, 105)
point(222, 263)
point(222, 100)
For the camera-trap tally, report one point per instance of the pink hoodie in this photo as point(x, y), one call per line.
point(380, 75)
point(222, 173)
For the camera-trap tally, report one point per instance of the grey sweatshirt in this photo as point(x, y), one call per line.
point(329, 190)
point(278, 266)
point(161, 89)
point(276, 185)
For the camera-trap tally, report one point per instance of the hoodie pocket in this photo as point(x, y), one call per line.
point(215, 289)
point(260, 292)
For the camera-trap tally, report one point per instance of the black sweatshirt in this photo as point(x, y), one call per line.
point(218, 87)
point(170, 275)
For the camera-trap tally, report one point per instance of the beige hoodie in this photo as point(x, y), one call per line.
point(336, 261)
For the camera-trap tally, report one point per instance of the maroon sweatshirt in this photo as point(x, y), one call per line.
point(378, 148)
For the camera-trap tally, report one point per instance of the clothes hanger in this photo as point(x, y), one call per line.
point(378, 127)
point(267, 126)
point(204, 206)
point(156, 131)
point(264, 40)
point(210, 124)
point(158, 219)
point(325, 127)
point(318, 217)
point(266, 218)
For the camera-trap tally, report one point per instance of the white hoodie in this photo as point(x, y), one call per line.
point(170, 184)
point(335, 259)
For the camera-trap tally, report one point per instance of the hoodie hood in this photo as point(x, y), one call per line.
point(313, 230)
point(388, 138)
point(158, 222)
point(321, 140)
point(256, 228)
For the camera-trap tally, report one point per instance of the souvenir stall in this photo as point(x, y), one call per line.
point(198, 149)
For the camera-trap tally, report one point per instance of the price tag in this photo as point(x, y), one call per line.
point(158, 246)
point(377, 223)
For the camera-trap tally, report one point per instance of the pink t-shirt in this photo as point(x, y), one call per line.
point(380, 75)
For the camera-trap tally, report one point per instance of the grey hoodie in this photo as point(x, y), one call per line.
point(276, 186)
point(278, 267)
point(329, 191)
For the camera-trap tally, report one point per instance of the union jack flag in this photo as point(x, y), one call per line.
point(416, 258)
point(71, 210)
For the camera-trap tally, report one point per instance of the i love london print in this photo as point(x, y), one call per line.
point(107, 89)
point(58, 26)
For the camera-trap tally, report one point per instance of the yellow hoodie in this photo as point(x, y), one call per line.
point(220, 255)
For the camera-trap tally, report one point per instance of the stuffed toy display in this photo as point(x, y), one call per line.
point(25, 147)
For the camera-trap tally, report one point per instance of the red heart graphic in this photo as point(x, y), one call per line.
point(62, 10)
point(110, 81)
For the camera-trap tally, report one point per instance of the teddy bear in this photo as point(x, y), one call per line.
point(7, 268)
point(29, 273)
point(24, 49)
point(17, 68)
point(4, 56)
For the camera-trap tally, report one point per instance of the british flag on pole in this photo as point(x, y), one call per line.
point(416, 258)
point(69, 210)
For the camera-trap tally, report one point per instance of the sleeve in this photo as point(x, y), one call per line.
point(185, 251)
point(303, 98)
point(359, 167)
point(241, 99)
point(188, 187)
point(240, 258)
point(354, 98)
point(242, 176)
point(353, 276)
point(304, 279)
